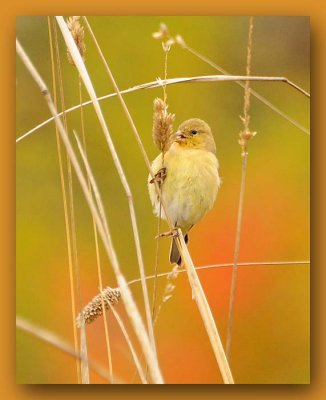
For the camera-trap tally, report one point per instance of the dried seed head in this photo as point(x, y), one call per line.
point(94, 308)
point(162, 125)
point(162, 33)
point(179, 39)
point(166, 298)
point(244, 137)
point(167, 45)
point(174, 273)
point(169, 288)
point(78, 34)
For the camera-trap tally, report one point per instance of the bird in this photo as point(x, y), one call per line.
point(188, 177)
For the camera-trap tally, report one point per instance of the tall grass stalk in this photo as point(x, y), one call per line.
point(78, 33)
point(57, 342)
point(105, 320)
point(206, 313)
point(83, 330)
point(71, 209)
point(99, 217)
point(245, 136)
point(136, 360)
point(199, 295)
point(131, 204)
point(253, 92)
point(130, 201)
point(173, 81)
point(65, 207)
point(88, 84)
point(84, 75)
point(126, 295)
point(162, 131)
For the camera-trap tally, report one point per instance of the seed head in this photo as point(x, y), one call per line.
point(162, 125)
point(94, 308)
point(77, 31)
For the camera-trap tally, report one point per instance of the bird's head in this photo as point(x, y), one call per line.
point(195, 134)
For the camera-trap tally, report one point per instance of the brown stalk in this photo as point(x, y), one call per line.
point(78, 34)
point(59, 343)
point(258, 96)
point(131, 307)
point(127, 191)
point(65, 206)
point(83, 343)
point(245, 135)
point(193, 278)
point(173, 81)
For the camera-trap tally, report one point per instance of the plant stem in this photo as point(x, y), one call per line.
point(236, 256)
point(172, 81)
point(65, 204)
point(126, 295)
point(245, 136)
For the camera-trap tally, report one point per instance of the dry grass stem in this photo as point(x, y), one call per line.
point(197, 289)
point(157, 250)
point(95, 308)
point(206, 312)
point(236, 255)
point(64, 196)
point(176, 271)
point(131, 307)
point(225, 265)
point(162, 125)
point(167, 40)
point(82, 151)
point(162, 132)
point(97, 210)
point(179, 39)
point(83, 342)
point(105, 321)
point(93, 185)
point(126, 188)
point(245, 136)
point(77, 32)
point(83, 330)
point(138, 365)
point(169, 287)
point(98, 261)
point(110, 298)
point(172, 81)
point(107, 241)
point(59, 343)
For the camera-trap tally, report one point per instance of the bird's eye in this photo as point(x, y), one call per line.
point(194, 132)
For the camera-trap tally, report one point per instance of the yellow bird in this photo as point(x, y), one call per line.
point(188, 177)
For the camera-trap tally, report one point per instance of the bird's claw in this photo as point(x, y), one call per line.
point(173, 233)
point(159, 177)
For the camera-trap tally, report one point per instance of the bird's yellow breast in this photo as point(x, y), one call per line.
point(191, 184)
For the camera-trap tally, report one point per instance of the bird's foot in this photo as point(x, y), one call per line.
point(173, 233)
point(159, 177)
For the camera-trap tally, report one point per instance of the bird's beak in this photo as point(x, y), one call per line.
point(180, 137)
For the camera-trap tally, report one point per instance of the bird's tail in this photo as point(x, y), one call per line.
point(175, 257)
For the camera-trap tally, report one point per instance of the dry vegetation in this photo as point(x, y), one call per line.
point(148, 364)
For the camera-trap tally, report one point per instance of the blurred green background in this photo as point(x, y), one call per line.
point(271, 327)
